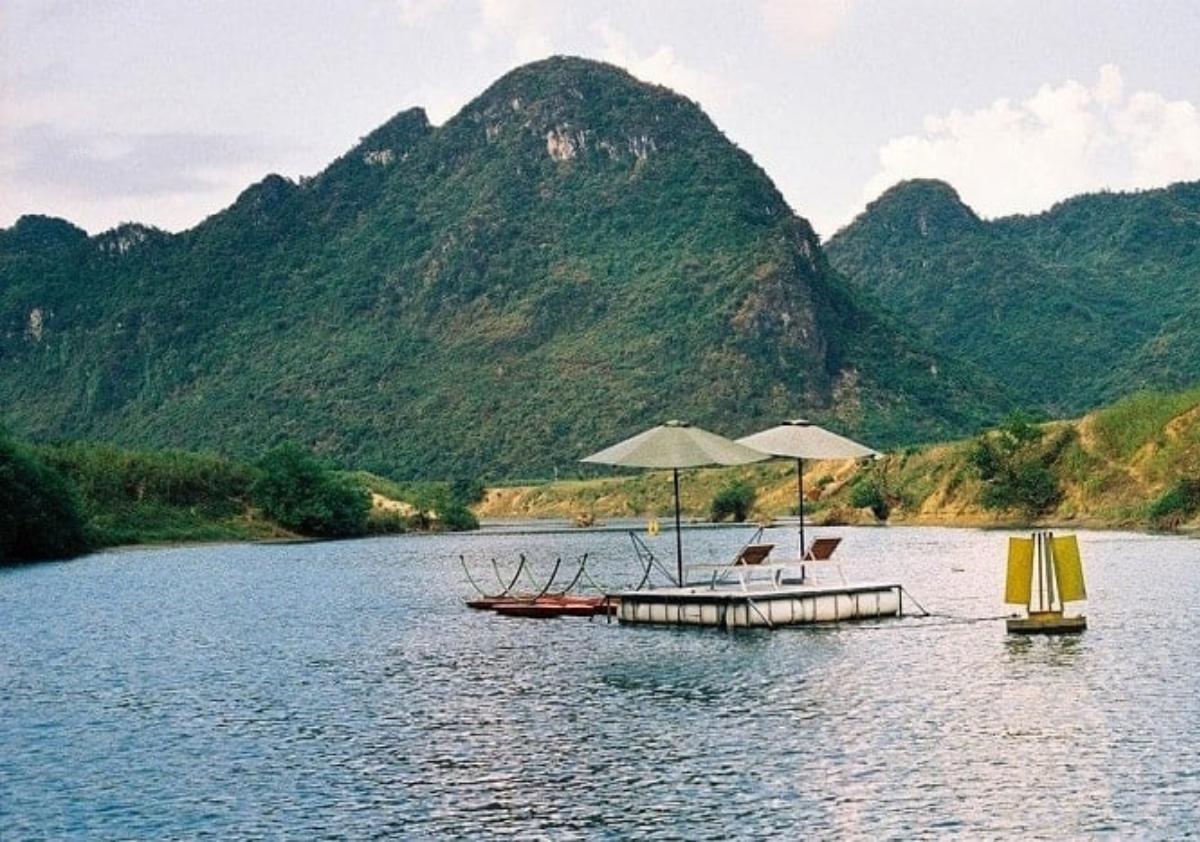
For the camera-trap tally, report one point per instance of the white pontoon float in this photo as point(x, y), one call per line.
point(759, 595)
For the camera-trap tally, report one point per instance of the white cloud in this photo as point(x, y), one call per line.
point(799, 24)
point(528, 26)
point(1163, 138)
point(662, 66)
point(534, 29)
point(1022, 156)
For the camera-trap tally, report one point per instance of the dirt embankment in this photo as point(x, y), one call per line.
point(1110, 467)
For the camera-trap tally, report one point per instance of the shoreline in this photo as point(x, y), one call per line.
point(556, 526)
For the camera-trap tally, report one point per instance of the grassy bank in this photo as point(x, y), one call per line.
point(138, 497)
point(63, 499)
point(1135, 464)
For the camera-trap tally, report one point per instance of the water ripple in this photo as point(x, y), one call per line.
point(341, 690)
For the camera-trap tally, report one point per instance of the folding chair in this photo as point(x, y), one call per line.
point(754, 553)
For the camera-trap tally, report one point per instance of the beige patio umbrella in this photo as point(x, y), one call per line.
point(800, 439)
point(675, 445)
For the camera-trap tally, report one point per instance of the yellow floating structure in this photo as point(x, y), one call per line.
point(1053, 563)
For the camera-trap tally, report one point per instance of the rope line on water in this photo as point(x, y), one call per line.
point(946, 619)
point(905, 592)
point(941, 620)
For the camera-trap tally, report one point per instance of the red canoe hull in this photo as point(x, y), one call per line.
point(535, 609)
point(560, 605)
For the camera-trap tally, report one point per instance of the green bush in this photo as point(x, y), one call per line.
point(1177, 503)
point(866, 494)
point(41, 513)
point(301, 494)
point(438, 508)
point(110, 477)
point(1015, 466)
point(466, 491)
point(457, 518)
point(1028, 486)
point(734, 501)
point(132, 497)
point(386, 522)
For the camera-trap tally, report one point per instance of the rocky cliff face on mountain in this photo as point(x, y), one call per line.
point(574, 256)
point(1071, 308)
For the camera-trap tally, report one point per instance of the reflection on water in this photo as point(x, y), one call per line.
point(342, 689)
point(1043, 652)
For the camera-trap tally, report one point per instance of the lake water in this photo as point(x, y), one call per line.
point(341, 689)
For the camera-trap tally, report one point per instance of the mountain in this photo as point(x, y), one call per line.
point(1093, 299)
point(574, 256)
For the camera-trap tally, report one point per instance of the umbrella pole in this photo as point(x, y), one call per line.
point(678, 538)
point(800, 495)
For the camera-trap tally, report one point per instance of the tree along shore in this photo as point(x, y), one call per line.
point(58, 501)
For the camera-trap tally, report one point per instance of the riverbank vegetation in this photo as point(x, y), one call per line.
point(60, 500)
point(299, 493)
point(1135, 464)
point(733, 502)
point(41, 512)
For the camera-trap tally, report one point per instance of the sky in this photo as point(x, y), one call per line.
point(163, 112)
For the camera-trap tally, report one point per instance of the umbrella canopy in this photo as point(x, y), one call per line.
point(801, 439)
point(675, 445)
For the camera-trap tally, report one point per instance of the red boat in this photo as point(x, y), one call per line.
point(556, 605)
point(488, 602)
point(544, 609)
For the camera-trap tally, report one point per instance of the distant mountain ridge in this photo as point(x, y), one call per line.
point(574, 256)
point(1072, 308)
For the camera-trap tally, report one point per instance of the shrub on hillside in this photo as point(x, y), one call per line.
point(1177, 503)
point(386, 522)
point(439, 507)
point(41, 514)
point(301, 494)
point(734, 502)
point(108, 476)
point(458, 518)
point(467, 491)
point(866, 494)
point(1015, 465)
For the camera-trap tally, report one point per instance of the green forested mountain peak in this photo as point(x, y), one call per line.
point(36, 233)
point(923, 208)
point(572, 257)
point(1093, 299)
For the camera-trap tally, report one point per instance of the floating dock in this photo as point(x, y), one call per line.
point(765, 607)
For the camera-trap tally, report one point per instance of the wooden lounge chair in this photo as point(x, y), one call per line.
point(754, 553)
point(821, 549)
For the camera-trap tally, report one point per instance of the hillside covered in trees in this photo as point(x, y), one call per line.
point(573, 257)
point(1094, 299)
